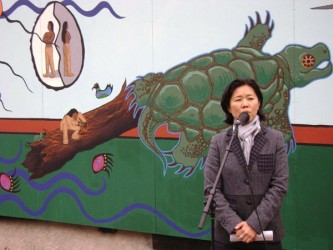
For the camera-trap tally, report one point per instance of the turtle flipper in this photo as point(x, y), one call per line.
point(258, 34)
point(188, 155)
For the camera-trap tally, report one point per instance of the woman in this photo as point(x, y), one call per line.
point(66, 37)
point(255, 175)
point(48, 40)
point(74, 121)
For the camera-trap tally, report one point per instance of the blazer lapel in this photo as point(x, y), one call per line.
point(259, 142)
point(237, 149)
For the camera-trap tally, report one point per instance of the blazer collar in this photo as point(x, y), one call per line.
point(259, 142)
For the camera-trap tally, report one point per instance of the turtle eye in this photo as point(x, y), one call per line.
point(308, 61)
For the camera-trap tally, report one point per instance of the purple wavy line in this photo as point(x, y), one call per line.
point(19, 4)
point(59, 177)
point(10, 197)
point(8, 161)
point(94, 11)
point(102, 5)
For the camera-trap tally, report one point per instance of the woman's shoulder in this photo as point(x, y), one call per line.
point(271, 131)
point(222, 134)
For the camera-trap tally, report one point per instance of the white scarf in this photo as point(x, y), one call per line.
point(246, 136)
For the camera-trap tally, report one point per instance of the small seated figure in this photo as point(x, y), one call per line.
point(74, 121)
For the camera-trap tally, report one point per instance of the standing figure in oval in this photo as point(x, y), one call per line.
point(66, 37)
point(48, 39)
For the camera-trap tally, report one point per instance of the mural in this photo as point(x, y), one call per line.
point(187, 97)
point(130, 155)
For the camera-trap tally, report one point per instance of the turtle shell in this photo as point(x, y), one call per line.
point(188, 96)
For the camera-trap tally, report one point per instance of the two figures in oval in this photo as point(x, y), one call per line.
point(48, 39)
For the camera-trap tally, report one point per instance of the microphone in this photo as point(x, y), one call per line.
point(242, 119)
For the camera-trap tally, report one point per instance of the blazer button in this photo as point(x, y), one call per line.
point(249, 202)
point(247, 182)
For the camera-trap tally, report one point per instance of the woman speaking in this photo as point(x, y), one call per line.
point(254, 178)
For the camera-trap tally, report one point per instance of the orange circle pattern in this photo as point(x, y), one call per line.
point(308, 61)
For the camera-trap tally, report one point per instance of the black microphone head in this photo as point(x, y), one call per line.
point(243, 118)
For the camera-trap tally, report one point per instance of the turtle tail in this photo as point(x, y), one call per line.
point(147, 128)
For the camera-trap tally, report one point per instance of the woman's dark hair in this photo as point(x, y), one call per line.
point(64, 30)
point(51, 25)
point(71, 112)
point(229, 90)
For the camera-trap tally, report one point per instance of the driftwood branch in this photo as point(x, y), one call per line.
point(104, 123)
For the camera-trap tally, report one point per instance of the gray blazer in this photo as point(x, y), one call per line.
point(267, 173)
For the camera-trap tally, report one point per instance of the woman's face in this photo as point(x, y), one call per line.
point(244, 99)
point(75, 116)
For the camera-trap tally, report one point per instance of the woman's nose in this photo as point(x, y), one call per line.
point(244, 103)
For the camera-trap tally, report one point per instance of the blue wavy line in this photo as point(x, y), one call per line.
point(19, 4)
point(10, 197)
point(59, 177)
point(102, 5)
point(94, 11)
point(14, 159)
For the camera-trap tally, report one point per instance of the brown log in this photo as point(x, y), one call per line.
point(103, 124)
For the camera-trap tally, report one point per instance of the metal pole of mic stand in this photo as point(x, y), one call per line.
point(210, 204)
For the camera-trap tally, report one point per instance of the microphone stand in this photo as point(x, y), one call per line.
point(210, 204)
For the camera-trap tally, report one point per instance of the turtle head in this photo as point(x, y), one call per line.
point(145, 86)
point(306, 64)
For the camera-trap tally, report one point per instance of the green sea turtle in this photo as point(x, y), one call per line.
point(187, 96)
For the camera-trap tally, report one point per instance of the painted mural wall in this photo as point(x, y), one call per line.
point(146, 78)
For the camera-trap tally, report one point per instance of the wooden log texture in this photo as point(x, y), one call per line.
point(103, 124)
